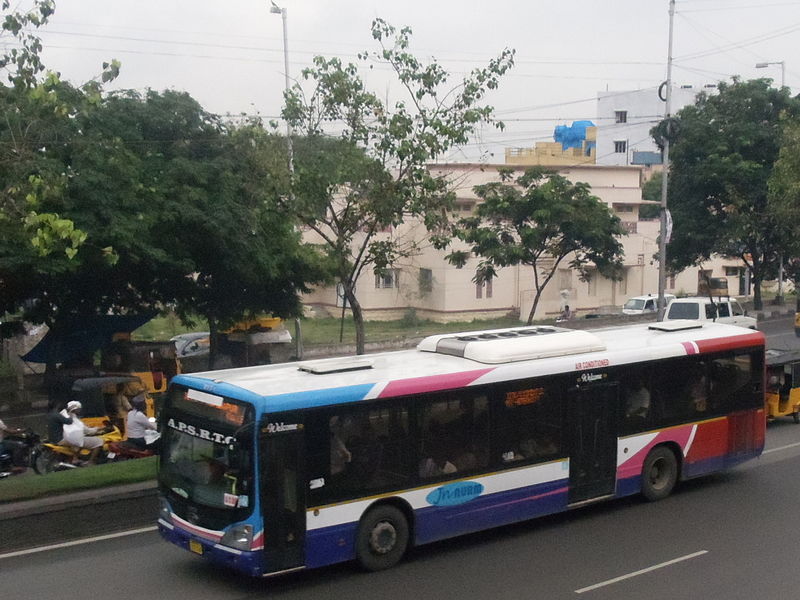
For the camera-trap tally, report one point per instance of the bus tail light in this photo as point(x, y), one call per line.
point(239, 537)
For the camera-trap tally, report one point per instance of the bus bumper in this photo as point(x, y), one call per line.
point(250, 563)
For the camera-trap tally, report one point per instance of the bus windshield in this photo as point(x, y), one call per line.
point(202, 460)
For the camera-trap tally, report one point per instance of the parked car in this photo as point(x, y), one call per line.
point(701, 308)
point(642, 305)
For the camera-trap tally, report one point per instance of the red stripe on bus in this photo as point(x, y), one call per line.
point(417, 385)
point(731, 343)
point(690, 347)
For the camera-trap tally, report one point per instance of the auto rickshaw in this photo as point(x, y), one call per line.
point(783, 384)
point(96, 395)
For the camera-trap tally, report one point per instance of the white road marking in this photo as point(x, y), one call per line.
point(641, 572)
point(779, 448)
point(90, 540)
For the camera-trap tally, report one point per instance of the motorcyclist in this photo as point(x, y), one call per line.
point(77, 434)
point(138, 424)
point(14, 448)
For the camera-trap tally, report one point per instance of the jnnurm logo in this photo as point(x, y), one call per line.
point(456, 493)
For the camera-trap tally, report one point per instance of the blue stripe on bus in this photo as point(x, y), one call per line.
point(279, 402)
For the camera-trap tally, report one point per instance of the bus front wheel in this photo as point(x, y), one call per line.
point(382, 538)
point(659, 474)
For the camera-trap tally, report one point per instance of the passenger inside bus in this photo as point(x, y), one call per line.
point(698, 391)
point(637, 400)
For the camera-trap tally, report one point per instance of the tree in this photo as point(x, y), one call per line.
point(539, 218)
point(722, 152)
point(651, 190)
point(355, 190)
point(189, 206)
point(784, 196)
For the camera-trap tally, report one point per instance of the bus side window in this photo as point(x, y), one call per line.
point(453, 434)
point(529, 424)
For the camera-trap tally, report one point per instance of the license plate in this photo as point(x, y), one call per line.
point(195, 547)
point(111, 455)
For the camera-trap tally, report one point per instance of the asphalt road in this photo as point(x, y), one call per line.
point(732, 535)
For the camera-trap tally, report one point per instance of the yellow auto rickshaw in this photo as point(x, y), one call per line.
point(783, 384)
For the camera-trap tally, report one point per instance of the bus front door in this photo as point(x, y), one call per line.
point(283, 498)
point(592, 430)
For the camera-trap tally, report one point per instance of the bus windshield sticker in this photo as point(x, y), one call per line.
point(230, 500)
point(199, 432)
point(204, 397)
point(456, 493)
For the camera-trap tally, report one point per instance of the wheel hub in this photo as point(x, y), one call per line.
point(383, 538)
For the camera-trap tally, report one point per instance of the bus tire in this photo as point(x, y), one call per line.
point(382, 538)
point(796, 416)
point(659, 473)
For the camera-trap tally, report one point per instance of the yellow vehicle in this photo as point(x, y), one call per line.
point(783, 384)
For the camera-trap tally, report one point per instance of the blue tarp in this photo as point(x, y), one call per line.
point(572, 136)
point(83, 337)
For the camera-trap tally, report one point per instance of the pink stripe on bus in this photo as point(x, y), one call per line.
point(418, 385)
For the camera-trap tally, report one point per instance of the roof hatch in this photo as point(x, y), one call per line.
point(510, 345)
point(335, 366)
point(676, 325)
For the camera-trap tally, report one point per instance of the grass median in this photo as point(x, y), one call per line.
point(30, 486)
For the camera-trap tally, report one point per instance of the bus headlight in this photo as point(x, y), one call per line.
point(239, 537)
point(163, 510)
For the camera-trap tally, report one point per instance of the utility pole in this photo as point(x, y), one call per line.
point(662, 241)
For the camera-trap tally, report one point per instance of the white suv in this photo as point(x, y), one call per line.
point(642, 305)
point(702, 309)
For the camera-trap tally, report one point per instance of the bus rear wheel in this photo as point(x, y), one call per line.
point(382, 538)
point(659, 474)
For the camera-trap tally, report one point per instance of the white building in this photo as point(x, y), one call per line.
point(624, 121)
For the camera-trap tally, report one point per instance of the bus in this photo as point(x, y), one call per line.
point(272, 469)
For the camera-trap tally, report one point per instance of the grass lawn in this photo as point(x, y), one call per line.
point(26, 487)
point(329, 330)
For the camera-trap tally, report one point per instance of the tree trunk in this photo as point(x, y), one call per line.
point(535, 304)
point(213, 342)
point(358, 318)
point(758, 303)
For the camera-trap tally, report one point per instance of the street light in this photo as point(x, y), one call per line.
point(764, 65)
point(275, 9)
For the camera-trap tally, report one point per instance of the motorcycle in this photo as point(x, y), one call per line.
point(30, 440)
point(48, 457)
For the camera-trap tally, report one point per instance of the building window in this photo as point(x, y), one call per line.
point(621, 116)
point(388, 279)
point(425, 281)
point(620, 146)
point(732, 271)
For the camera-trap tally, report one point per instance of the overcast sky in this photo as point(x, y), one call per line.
point(228, 54)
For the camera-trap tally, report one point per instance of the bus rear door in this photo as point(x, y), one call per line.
point(283, 496)
point(592, 430)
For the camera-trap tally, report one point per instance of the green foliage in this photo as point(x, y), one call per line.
point(784, 195)
point(651, 190)
point(721, 160)
point(540, 217)
point(355, 190)
point(63, 482)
